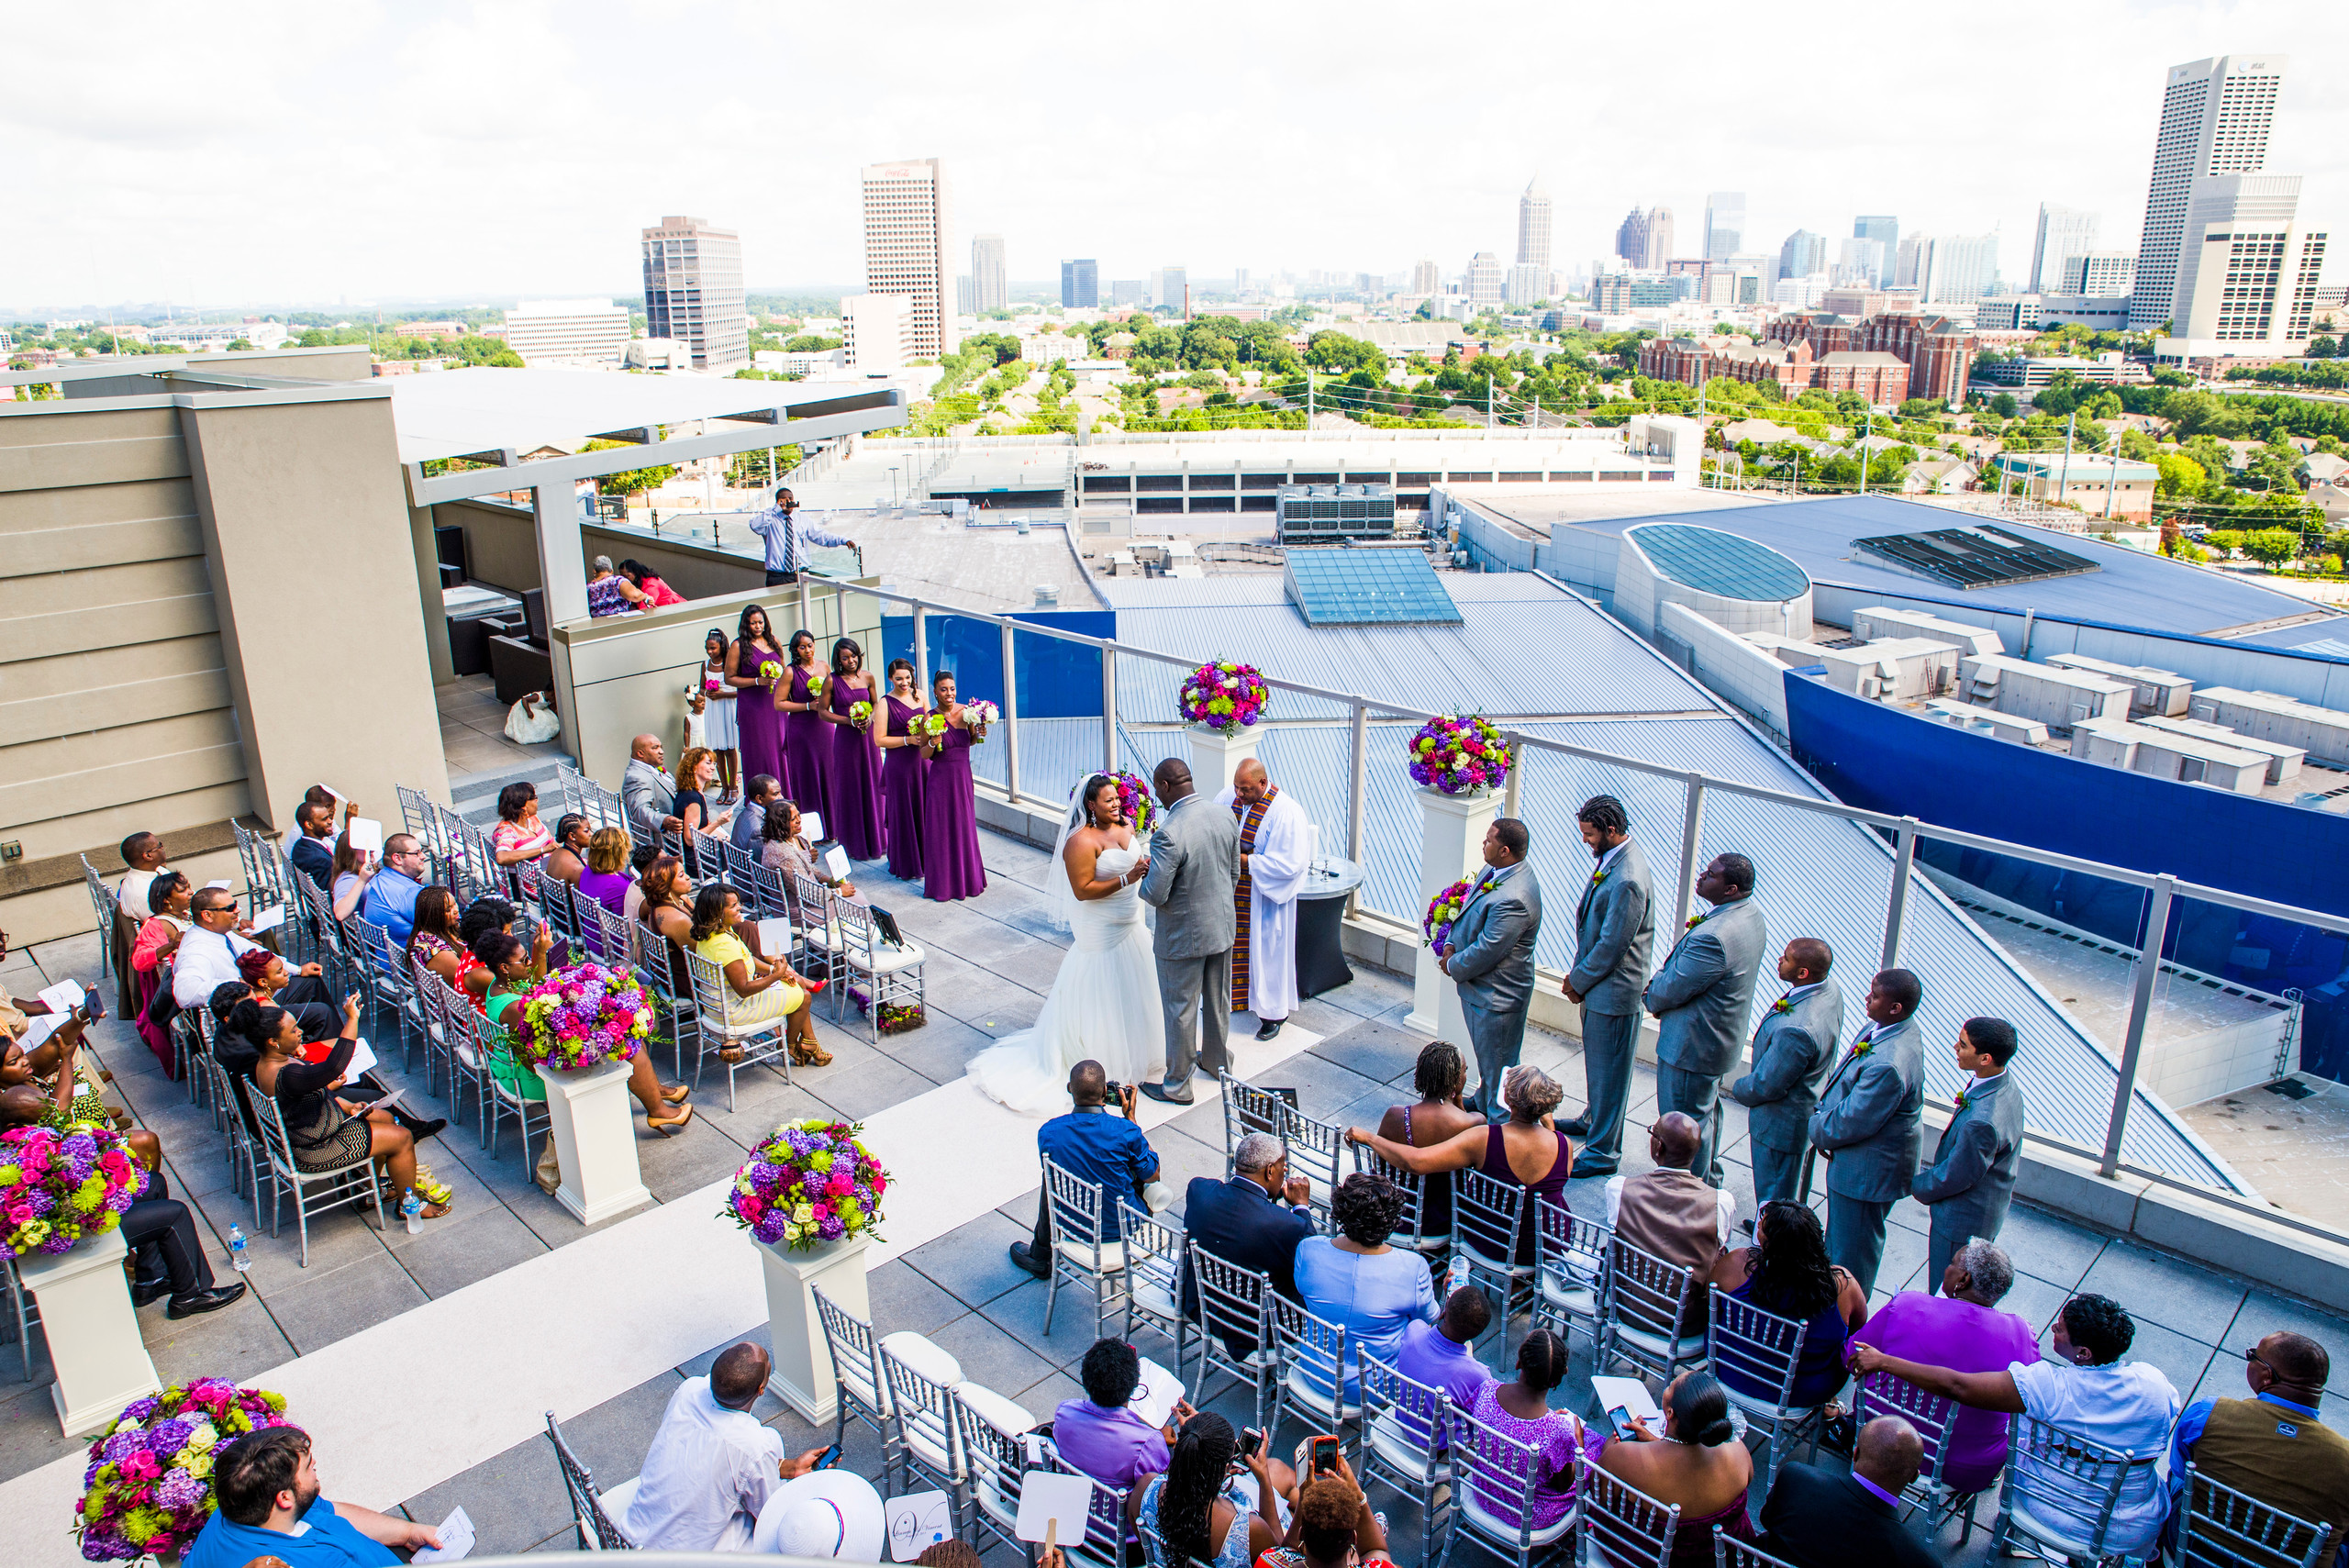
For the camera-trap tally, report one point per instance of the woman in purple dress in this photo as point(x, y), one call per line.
point(806, 739)
point(903, 768)
point(758, 727)
point(950, 867)
point(856, 766)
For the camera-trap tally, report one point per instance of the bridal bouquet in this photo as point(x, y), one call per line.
point(815, 683)
point(584, 1016)
point(1134, 802)
point(810, 1182)
point(1226, 697)
point(930, 726)
point(976, 716)
point(860, 714)
point(1443, 909)
point(62, 1187)
point(1459, 755)
point(148, 1488)
point(770, 671)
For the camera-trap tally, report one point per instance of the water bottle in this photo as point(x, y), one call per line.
point(412, 1211)
point(237, 1257)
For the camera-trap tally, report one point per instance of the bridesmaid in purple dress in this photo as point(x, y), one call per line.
point(903, 769)
point(856, 765)
point(806, 739)
point(759, 728)
point(950, 866)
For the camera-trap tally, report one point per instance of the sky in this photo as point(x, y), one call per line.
point(253, 153)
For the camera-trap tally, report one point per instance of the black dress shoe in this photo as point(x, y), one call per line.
point(433, 1128)
point(146, 1290)
point(1159, 1092)
point(1585, 1167)
point(211, 1300)
point(1269, 1028)
point(1578, 1127)
point(1029, 1261)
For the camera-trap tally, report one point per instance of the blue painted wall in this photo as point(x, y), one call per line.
point(1057, 680)
point(1887, 760)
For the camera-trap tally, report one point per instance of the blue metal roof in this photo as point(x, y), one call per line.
point(1335, 586)
point(1713, 561)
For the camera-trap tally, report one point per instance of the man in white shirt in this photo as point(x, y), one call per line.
point(787, 539)
point(143, 853)
point(712, 1466)
point(208, 951)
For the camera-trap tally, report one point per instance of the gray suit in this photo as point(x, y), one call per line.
point(1614, 937)
point(1972, 1177)
point(646, 798)
point(1491, 950)
point(1793, 1053)
point(1194, 869)
point(1867, 1124)
point(1701, 996)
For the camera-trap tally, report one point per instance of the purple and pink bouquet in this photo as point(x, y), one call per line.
point(978, 716)
point(1134, 802)
point(811, 1181)
point(584, 1016)
point(1443, 909)
point(58, 1187)
point(1459, 755)
point(1224, 696)
point(148, 1488)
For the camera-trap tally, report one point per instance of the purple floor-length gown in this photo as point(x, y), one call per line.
point(856, 777)
point(950, 867)
point(757, 724)
point(807, 752)
point(904, 772)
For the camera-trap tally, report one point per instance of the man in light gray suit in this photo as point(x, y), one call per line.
point(1867, 1126)
point(1972, 1177)
point(1488, 955)
point(1793, 1050)
point(648, 797)
point(1701, 996)
point(1194, 870)
point(1615, 934)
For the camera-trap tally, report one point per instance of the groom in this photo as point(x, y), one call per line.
point(1194, 869)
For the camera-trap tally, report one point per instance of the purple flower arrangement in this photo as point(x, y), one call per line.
point(148, 1489)
point(1227, 697)
point(584, 1016)
point(59, 1186)
point(812, 1182)
point(1443, 909)
point(1459, 756)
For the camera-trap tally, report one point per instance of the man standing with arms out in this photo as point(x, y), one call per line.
point(787, 539)
point(1866, 1125)
point(1701, 996)
point(1615, 934)
point(1275, 846)
point(1973, 1174)
point(1793, 1051)
point(1490, 956)
point(1194, 870)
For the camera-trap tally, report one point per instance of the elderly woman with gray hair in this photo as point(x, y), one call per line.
point(1962, 1328)
point(1527, 1150)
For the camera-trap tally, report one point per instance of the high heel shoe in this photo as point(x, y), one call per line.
point(675, 1093)
point(666, 1125)
point(806, 1052)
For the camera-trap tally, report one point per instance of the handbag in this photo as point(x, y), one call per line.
point(161, 1008)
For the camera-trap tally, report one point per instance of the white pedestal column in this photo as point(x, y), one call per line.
point(595, 1136)
point(802, 1377)
point(95, 1347)
point(1216, 756)
point(1452, 846)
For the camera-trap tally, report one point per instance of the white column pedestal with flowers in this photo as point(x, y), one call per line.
point(810, 1182)
point(95, 1348)
point(1223, 702)
point(1452, 841)
point(595, 1137)
point(802, 1375)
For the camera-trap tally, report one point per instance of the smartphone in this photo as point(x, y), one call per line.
point(1251, 1441)
point(1621, 1418)
point(1325, 1455)
point(94, 1006)
point(829, 1458)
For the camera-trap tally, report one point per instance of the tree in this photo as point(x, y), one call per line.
point(2178, 474)
point(2272, 547)
point(2226, 541)
point(2004, 405)
point(750, 471)
point(1001, 345)
point(240, 346)
point(631, 481)
point(809, 343)
point(2323, 348)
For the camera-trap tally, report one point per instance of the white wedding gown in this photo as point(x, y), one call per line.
point(1104, 1006)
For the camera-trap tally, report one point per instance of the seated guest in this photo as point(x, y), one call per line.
point(648, 800)
point(1527, 1149)
point(712, 1466)
point(143, 853)
point(664, 919)
point(1440, 1080)
point(608, 593)
point(352, 870)
point(785, 847)
point(750, 816)
point(1785, 1271)
point(696, 773)
point(438, 942)
point(606, 880)
point(1441, 1356)
point(263, 975)
point(313, 851)
point(1816, 1518)
point(2089, 1390)
point(390, 899)
point(1696, 1462)
point(210, 948)
point(2274, 1446)
point(1520, 1409)
point(567, 860)
point(657, 594)
point(324, 1130)
point(1105, 1146)
point(169, 894)
point(513, 971)
point(760, 989)
point(1359, 1282)
point(520, 835)
point(1239, 1220)
point(481, 978)
point(1188, 1505)
point(1672, 1213)
point(1332, 1526)
point(266, 1487)
point(1102, 1434)
point(1961, 1328)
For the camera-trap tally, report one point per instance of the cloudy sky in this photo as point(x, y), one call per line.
point(252, 151)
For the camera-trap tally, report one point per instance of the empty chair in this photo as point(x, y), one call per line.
point(2222, 1527)
point(859, 1392)
point(889, 973)
point(1316, 1151)
point(995, 1458)
point(1641, 1310)
point(1236, 1317)
point(1155, 1253)
point(597, 1513)
point(921, 1407)
point(1402, 1426)
point(2059, 1490)
point(1085, 1247)
point(1499, 1502)
point(1313, 1372)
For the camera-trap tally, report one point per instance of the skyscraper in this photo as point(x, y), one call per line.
point(2064, 232)
point(908, 239)
point(1659, 238)
point(2247, 272)
point(1426, 278)
point(1486, 280)
point(1802, 254)
point(1533, 226)
point(1631, 237)
point(1724, 224)
point(1862, 262)
point(1886, 230)
point(1168, 287)
point(692, 291)
point(990, 289)
point(2216, 114)
point(1948, 268)
point(1080, 284)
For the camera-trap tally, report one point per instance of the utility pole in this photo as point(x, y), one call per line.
point(2111, 474)
point(2064, 485)
point(1868, 430)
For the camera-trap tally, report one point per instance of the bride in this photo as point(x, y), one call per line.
point(1104, 1004)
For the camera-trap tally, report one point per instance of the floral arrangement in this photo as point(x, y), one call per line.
point(1457, 755)
point(810, 1182)
point(897, 1018)
point(860, 714)
point(1443, 909)
point(1134, 802)
point(770, 671)
point(930, 726)
point(1224, 696)
point(60, 1186)
point(584, 1016)
point(981, 712)
point(816, 681)
point(148, 1488)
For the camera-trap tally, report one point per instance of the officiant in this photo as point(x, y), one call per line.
point(1275, 851)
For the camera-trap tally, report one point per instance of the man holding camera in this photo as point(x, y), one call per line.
point(1090, 1142)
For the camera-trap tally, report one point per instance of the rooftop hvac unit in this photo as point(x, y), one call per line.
point(1310, 513)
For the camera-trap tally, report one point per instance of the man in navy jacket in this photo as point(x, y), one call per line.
point(1241, 1221)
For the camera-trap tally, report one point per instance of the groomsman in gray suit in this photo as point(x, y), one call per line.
point(1488, 954)
point(1793, 1050)
point(1194, 869)
point(1972, 1177)
point(1867, 1126)
point(1614, 936)
point(1701, 996)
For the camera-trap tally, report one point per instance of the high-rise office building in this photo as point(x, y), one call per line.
point(1724, 224)
point(879, 331)
point(1631, 237)
point(1861, 263)
point(908, 224)
point(1080, 284)
point(1659, 238)
point(2247, 272)
point(1802, 254)
point(1167, 287)
point(567, 331)
point(1947, 269)
point(692, 291)
point(2216, 114)
point(1525, 284)
point(1426, 278)
point(990, 287)
point(2064, 232)
point(1486, 283)
point(1533, 229)
point(2099, 276)
point(1885, 229)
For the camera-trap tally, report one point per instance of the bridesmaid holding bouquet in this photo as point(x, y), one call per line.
point(856, 765)
point(806, 739)
point(759, 726)
point(903, 768)
point(950, 814)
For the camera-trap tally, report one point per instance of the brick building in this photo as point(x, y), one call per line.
point(1877, 375)
point(1937, 351)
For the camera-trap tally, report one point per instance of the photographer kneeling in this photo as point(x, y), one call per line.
point(1091, 1142)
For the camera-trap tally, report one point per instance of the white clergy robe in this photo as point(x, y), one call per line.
point(1277, 869)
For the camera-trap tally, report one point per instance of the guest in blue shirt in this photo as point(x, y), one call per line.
point(1361, 1283)
point(390, 898)
point(1090, 1141)
point(787, 539)
point(267, 1487)
point(1441, 1356)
